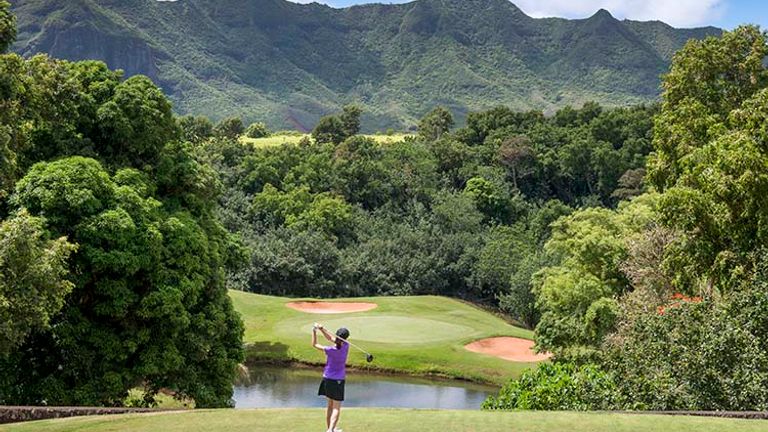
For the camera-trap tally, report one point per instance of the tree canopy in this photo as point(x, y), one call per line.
point(115, 256)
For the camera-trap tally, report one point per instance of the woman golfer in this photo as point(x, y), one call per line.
point(334, 374)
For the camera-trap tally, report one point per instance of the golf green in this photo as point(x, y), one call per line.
point(397, 329)
point(423, 335)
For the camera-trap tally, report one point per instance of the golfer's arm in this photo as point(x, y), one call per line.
point(328, 335)
point(316, 345)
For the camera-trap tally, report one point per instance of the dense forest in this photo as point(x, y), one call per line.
point(631, 239)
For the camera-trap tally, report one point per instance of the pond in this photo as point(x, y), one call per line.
point(277, 388)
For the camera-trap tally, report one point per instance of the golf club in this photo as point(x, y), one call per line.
point(368, 356)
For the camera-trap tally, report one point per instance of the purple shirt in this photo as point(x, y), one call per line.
point(336, 366)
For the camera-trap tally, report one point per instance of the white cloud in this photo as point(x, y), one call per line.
point(679, 13)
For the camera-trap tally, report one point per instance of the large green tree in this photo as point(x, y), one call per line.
point(148, 307)
point(711, 159)
point(708, 79)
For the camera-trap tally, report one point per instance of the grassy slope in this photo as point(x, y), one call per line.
point(277, 140)
point(415, 335)
point(375, 420)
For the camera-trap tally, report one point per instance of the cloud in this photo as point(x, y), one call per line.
point(679, 13)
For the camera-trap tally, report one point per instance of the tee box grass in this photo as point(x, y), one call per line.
point(385, 420)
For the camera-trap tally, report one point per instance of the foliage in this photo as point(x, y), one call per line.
point(558, 387)
point(7, 26)
point(707, 355)
point(350, 120)
point(711, 157)
point(435, 124)
point(137, 113)
point(707, 81)
point(329, 130)
point(229, 128)
point(336, 129)
point(195, 129)
point(257, 130)
point(577, 295)
point(290, 262)
point(148, 303)
point(97, 160)
point(33, 283)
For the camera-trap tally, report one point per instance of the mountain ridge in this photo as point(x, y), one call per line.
point(288, 64)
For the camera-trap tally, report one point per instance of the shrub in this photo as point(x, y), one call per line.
point(558, 386)
point(257, 130)
point(696, 355)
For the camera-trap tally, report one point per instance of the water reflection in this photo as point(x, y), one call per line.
point(287, 388)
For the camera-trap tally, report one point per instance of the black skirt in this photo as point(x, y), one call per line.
point(332, 389)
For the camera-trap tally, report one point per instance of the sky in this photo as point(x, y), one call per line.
point(679, 13)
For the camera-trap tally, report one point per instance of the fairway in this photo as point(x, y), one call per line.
point(294, 138)
point(380, 420)
point(412, 335)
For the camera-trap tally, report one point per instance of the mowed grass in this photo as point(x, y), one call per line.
point(412, 335)
point(293, 139)
point(383, 420)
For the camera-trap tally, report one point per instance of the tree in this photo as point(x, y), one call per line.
point(362, 178)
point(7, 26)
point(292, 262)
point(135, 123)
point(195, 129)
point(714, 141)
point(33, 283)
point(329, 130)
point(707, 80)
point(435, 124)
point(350, 120)
point(631, 185)
point(257, 130)
point(149, 304)
point(336, 129)
point(488, 197)
point(519, 157)
point(231, 128)
point(577, 294)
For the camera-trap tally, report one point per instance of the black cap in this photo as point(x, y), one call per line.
point(342, 333)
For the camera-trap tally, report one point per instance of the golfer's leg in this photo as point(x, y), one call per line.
point(335, 416)
point(328, 413)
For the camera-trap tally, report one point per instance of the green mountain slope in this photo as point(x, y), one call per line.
point(287, 63)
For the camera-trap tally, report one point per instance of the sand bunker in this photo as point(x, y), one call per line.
point(508, 348)
point(331, 308)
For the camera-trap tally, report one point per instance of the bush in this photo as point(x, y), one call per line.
point(257, 130)
point(691, 355)
point(231, 128)
point(558, 386)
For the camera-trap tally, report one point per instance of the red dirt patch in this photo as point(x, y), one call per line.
point(508, 348)
point(330, 307)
